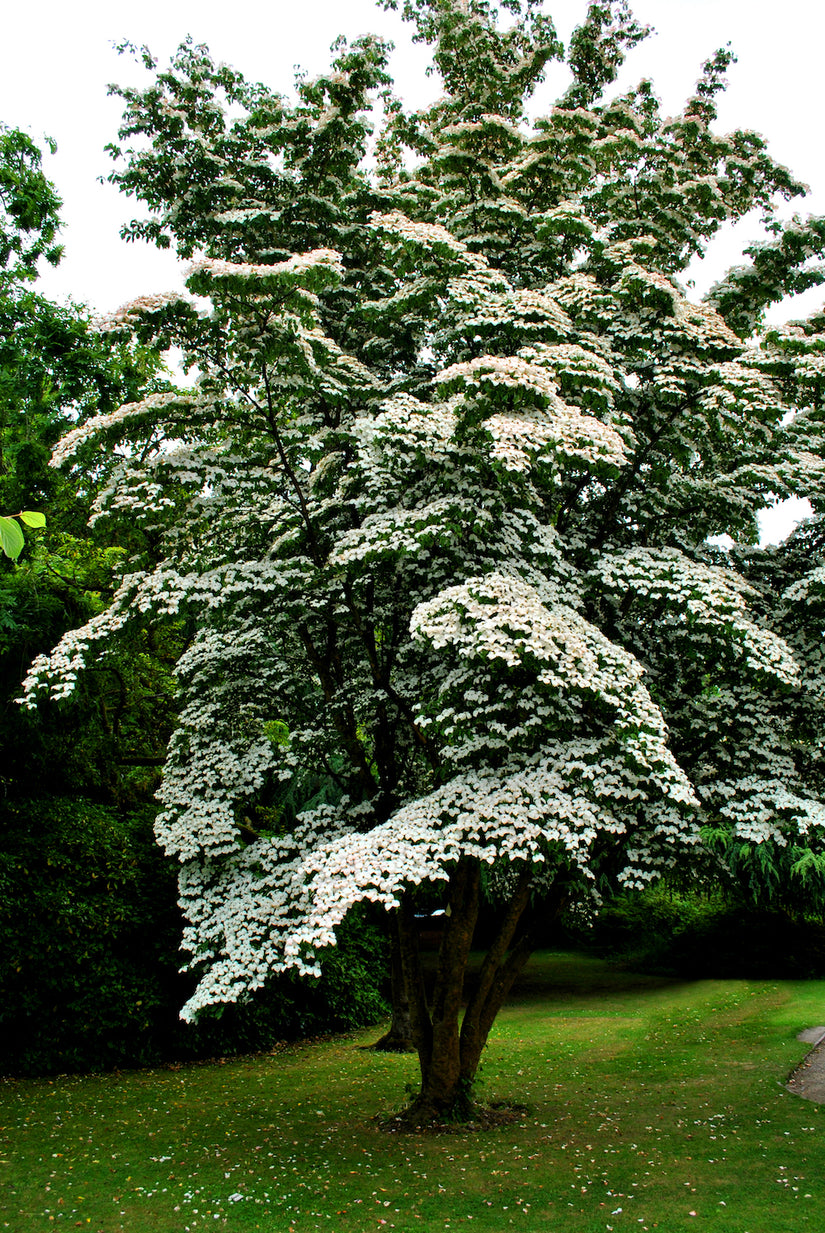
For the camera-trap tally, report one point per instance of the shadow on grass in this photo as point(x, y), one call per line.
point(563, 976)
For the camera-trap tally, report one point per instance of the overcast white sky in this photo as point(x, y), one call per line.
point(56, 59)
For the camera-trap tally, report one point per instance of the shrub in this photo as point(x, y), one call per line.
point(89, 962)
point(706, 935)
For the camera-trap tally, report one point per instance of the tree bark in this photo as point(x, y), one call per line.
point(399, 1038)
point(449, 1046)
point(498, 972)
point(416, 992)
point(442, 1089)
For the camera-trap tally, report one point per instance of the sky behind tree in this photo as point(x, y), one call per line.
point(56, 61)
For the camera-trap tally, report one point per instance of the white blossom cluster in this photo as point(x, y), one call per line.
point(401, 530)
point(810, 589)
point(741, 389)
point(143, 488)
point(145, 410)
point(391, 440)
point(159, 592)
point(524, 432)
point(430, 237)
point(131, 313)
point(131, 490)
point(585, 372)
point(766, 810)
point(501, 618)
point(248, 914)
point(193, 824)
point(530, 312)
point(511, 372)
point(702, 596)
point(56, 674)
point(301, 263)
point(650, 289)
point(586, 301)
point(519, 438)
point(488, 120)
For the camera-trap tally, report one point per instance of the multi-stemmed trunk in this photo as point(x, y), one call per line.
point(450, 1045)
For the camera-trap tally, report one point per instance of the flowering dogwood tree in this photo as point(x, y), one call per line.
point(438, 506)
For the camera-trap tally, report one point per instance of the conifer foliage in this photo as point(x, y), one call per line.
point(438, 505)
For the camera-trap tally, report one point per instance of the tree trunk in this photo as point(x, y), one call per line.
point(499, 970)
point(449, 1047)
point(399, 1038)
point(444, 1093)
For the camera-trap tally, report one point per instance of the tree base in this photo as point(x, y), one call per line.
point(392, 1042)
point(423, 1118)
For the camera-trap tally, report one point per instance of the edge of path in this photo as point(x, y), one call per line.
point(808, 1080)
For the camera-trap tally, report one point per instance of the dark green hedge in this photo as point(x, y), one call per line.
point(699, 935)
point(89, 937)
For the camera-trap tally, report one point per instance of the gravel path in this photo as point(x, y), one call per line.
point(808, 1080)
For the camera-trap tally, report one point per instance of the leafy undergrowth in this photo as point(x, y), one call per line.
point(651, 1104)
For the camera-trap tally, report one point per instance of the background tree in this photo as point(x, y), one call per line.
point(28, 229)
point(75, 860)
point(54, 371)
point(438, 507)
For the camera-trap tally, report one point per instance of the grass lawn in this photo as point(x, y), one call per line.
point(652, 1104)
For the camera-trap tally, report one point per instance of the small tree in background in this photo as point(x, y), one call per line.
point(438, 507)
point(78, 880)
point(54, 371)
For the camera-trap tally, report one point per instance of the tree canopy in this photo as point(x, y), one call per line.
point(439, 506)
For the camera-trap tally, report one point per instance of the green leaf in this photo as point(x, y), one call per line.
point(11, 538)
point(32, 518)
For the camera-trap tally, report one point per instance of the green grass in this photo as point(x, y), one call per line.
point(652, 1104)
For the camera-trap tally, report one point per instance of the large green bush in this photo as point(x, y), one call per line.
point(89, 959)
